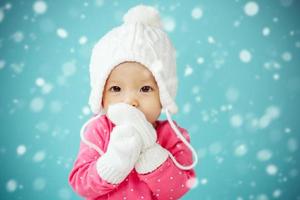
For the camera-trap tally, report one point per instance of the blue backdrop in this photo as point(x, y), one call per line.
point(239, 84)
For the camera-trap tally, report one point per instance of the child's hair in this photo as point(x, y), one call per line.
point(139, 39)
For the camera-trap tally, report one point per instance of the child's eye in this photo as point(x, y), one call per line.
point(115, 89)
point(146, 89)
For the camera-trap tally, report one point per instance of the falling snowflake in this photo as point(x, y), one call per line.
point(251, 8)
point(197, 13)
point(40, 7)
point(62, 33)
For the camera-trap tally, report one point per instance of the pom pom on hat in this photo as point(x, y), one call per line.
point(143, 14)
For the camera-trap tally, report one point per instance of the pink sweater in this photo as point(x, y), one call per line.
point(166, 182)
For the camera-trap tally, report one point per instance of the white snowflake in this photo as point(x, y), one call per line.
point(188, 70)
point(236, 120)
point(251, 8)
point(264, 155)
point(245, 56)
point(40, 82)
point(62, 33)
point(266, 31)
point(83, 40)
point(21, 150)
point(39, 183)
point(169, 24)
point(2, 64)
point(69, 68)
point(39, 156)
point(37, 104)
point(197, 13)
point(11, 185)
point(1, 15)
point(40, 7)
point(272, 169)
point(241, 150)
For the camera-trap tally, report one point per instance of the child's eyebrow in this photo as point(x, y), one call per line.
point(140, 80)
point(146, 80)
point(113, 81)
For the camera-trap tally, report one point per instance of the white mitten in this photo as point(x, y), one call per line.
point(152, 154)
point(122, 153)
point(122, 113)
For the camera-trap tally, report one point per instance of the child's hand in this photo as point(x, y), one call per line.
point(122, 113)
point(152, 154)
point(123, 150)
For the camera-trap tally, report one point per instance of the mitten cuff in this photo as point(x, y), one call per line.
point(151, 159)
point(108, 170)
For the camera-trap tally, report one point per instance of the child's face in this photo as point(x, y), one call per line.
point(134, 84)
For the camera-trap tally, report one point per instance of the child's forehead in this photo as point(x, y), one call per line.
point(131, 70)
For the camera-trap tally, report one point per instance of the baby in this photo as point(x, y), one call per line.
point(126, 152)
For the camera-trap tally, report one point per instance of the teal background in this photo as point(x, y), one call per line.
point(243, 117)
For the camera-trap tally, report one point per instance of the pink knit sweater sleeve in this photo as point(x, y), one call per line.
point(84, 178)
point(168, 181)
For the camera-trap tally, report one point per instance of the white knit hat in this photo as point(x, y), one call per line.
point(139, 39)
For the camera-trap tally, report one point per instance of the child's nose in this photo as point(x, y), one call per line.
point(132, 100)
